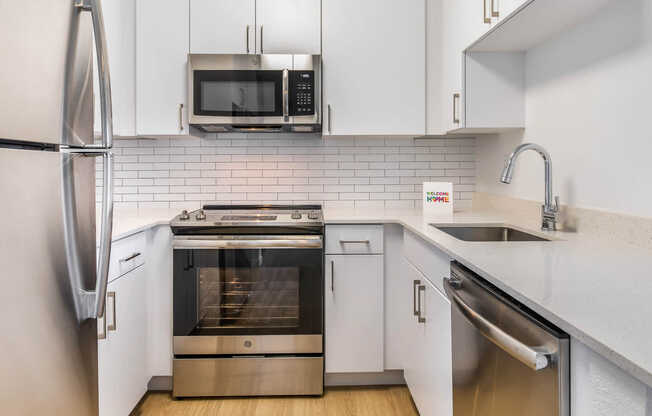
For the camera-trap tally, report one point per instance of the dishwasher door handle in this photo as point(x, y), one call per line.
point(534, 357)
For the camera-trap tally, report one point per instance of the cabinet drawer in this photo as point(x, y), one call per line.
point(354, 239)
point(126, 255)
point(432, 262)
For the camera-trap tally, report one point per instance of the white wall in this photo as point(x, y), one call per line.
point(588, 103)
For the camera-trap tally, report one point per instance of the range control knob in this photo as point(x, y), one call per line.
point(201, 215)
point(184, 215)
point(314, 215)
point(296, 215)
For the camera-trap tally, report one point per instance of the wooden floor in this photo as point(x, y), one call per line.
point(340, 401)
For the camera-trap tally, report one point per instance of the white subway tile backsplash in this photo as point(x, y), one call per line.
point(364, 172)
point(199, 181)
point(354, 196)
point(294, 181)
point(219, 188)
point(370, 188)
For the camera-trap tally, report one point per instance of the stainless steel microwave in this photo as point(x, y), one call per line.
point(255, 93)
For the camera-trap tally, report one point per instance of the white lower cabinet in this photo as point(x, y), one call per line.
point(122, 355)
point(354, 313)
point(428, 360)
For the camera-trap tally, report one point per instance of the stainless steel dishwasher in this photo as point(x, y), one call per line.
point(507, 361)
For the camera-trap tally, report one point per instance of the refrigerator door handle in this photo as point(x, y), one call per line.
point(88, 304)
point(95, 7)
point(106, 233)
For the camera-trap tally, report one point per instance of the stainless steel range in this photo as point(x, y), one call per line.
point(248, 301)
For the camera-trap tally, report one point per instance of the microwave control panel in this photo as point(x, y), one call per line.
point(302, 93)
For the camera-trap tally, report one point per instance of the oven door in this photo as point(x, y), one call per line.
point(239, 96)
point(248, 294)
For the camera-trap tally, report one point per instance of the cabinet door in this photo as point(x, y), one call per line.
point(505, 7)
point(162, 54)
point(436, 370)
point(289, 26)
point(373, 63)
point(414, 348)
point(222, 26)
point(354, 313)
point(122, 356)
point(428, 361)
point(120, 24)
point(462, 23)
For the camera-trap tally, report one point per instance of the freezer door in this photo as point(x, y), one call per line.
point(46, 88)
point(48, 356)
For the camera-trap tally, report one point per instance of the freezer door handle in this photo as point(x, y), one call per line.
point(536, 358)
point(95, 8)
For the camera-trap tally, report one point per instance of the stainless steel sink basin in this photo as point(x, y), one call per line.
point(487, 233)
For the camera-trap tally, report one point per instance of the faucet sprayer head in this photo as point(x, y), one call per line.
point(508, 171)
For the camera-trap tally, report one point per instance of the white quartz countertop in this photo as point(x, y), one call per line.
point(127, 222)
point(599, 292)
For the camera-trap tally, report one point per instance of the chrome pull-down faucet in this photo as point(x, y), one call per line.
point(549, 212)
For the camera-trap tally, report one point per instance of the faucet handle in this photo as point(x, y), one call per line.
point(556, 203)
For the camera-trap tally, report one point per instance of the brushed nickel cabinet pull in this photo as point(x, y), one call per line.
point(329, 119)
point(102, 335)
point(494, 11)
point(456, 98)
point(247, 37)
point(332, 276)
point(114, 324)
point(180, 117)
point(487, 20)
point(128, 258)
point(261, 39)
point(422, 288)
point(354, 241)
point(414, 297)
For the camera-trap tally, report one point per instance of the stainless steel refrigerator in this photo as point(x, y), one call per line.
point(52, 282)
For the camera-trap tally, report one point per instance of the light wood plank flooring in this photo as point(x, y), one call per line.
point(339, 401)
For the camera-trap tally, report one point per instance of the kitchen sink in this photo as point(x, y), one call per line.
point(487, 233)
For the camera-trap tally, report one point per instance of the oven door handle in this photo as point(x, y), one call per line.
point(537, 358)
point(185, 243)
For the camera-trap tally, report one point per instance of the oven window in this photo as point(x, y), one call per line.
point(265, 297)
point(248, 292)
point(238, 93)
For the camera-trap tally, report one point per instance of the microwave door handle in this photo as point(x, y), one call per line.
point(534, 357)
point(95, 8)
point(286, 95)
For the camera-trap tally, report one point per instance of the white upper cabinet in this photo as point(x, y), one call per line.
point(434, 68)
point(222, 26)
point(374, 67)
point(463, 22)
point(505, 7)
point(162, 54)
point(288, 26)
point(120, 24)
point(255, 27)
